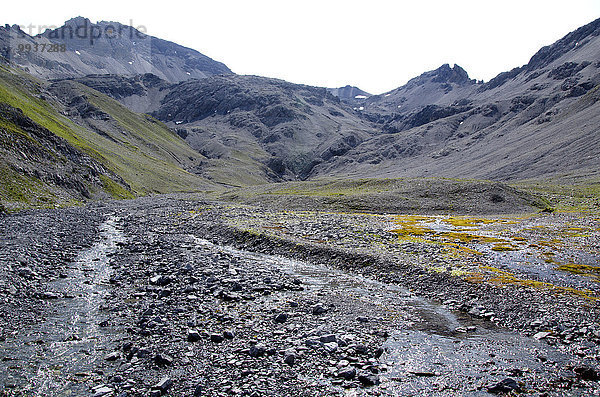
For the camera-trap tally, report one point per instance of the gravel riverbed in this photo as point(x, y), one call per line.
point(175, 295)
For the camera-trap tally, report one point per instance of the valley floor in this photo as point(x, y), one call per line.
point(179, 295)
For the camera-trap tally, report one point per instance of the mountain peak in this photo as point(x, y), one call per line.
point(442, 75)
point(110, 48)
point(447, 74)
point(78, 21)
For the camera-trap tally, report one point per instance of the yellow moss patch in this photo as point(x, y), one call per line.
point(468, 238)
point(502, 277)
point(504, 247)
point(468, 222)
point(586, 270)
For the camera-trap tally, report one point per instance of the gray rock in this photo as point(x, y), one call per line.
point(258, 350)
point(328, 338)
point(290, 357)
point(331, 347)
point(114, 356)
point(319, 309)
point(160, 280)
point(281, 318)
point(587, 373)
point(163, 360)
point(102, 390)
point(217, 338)
point(193, 335)
point(505, 386)
point(367, 379)
point(347, 373)
point(163, 385)
point(542, 335)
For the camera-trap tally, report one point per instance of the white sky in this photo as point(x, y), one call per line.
point(376, 45)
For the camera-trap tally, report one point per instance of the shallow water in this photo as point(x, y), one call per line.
point(425, 352)
point(56, 357)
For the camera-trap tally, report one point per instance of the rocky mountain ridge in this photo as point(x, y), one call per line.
point(80, 47)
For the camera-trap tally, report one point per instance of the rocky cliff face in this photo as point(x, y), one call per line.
point(80, 48)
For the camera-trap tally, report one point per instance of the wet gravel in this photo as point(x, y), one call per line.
point(193, 306)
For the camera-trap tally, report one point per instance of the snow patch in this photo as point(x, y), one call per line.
point(360, 97)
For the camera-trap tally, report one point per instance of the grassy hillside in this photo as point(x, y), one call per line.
point(404, 195)
point(50, 154)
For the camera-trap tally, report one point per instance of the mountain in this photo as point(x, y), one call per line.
point(104, 127)
point(350, 94)
point(62, 143)
point(534, 121)
point(80, 47)
point(290, 128)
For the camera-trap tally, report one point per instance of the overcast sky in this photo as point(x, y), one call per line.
point(376, 45)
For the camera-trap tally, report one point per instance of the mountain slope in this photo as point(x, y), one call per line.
point(84, 48)
point(252, 129)
point(535, 121)
point(64, 142)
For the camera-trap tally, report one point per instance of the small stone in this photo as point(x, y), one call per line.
point(347, 373)
point(160, 280)
point(505, 386)
point(101, 390)
point(367, 379)
point(361, 349)
point(228, 334)
point(331, 347)
point(50, 295)
point(328, 338)
point(216, 338)
point(290, 357)
point(257, 350)
point(319, 309)
point(541, 335)
point(281, 318)
point(193, 335)
point(114, 356)
point(163, 360)
point(163, 385)
point(587, 373)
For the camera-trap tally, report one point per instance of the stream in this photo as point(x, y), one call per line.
point(58, 355)
point(432, 348)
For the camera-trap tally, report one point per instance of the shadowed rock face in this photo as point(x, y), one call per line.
point(288, 128)
point(106, 48)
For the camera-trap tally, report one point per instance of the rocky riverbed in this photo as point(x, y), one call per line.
point(176, 295)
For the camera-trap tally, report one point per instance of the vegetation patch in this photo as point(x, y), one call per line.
point(504, 247)
point(469, 222)
point(585, 270)
point(114, 189)
point(500, 277)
